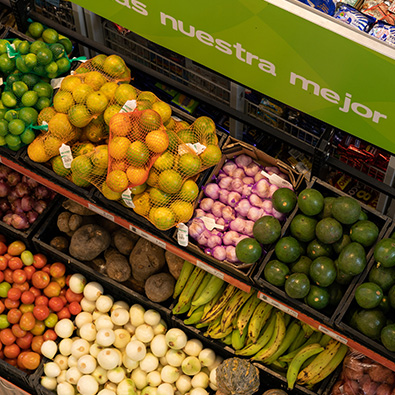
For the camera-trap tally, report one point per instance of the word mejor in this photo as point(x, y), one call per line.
point(333, 97)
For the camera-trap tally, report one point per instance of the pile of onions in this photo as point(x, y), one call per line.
point(22, 199)
point(237, 197)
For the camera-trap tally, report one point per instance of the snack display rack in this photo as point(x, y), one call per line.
point(181, 77)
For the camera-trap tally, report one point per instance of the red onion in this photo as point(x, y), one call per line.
point(219, 252)
point(255, 200)
point(206, 204)
point(249, 225)
point(4, 205)
point(255, 213)
point(4, 171)
point(217, 208)
point(231, 254)
point(27, 203)
point(22, 189)
point(243, 207)
point(223, 195)
point(32, 216)
point(12, 196)
point(41, 192)
point(239, 173)
point(246, 190)
point(40, 206)
point(267, 205)
point(19, 221)
point(229, 167)
point(16, 206)
point(4, 189)
point(252, 169)
point(13, 178)
point(261, 188)
point(227, 213)
point(237, 225)
point(233, 198)
point(7, 218)
point(225, 183)
point(230, 237)
point(272, 170)
point(237, 185)
point(272, 189)
point(212, 191)
point(248, 180)
point(196, 228)
point(243, 160)
point(32, 183)
point(203, 238)
point(258, 176)
point(214, 241)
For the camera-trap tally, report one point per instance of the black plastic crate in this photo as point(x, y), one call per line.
point(328, 315)
point(343, 320)
point(11, 33)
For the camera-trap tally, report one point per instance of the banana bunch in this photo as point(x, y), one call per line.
point(255, 329)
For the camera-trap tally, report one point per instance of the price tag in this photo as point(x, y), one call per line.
point(66, 155)
point(45, 123)
point(11, 52)
point(277, 180)
point(278, 305)
point(56, 82)
point(1, 81)
point(197, 147)
point(129, 106)
point(148, 237)
point(210, 269)
point(176, 118)
point(101, 212)
point(127, 198)
point(332, 334)
point(210, 224)
point(182, 235)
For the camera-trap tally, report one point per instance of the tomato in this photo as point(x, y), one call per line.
point(57, 269)
point(40, 279)
point(27, 258)
point(51, 321)
point(11, 361)
point(25, 308)
point(3, 262)
point(4, 323)
point(41, 312)
point(46, 268)
point(25, 341)
point(8, 275)
point(63, 299)
point(12, 351)
point(14, 315)
point(50, 334)
point(23, 287)
point(2, 307)
point(29, 270)
point(3, 248)
point(52, 289)
point(38, 329)
point(64, 313)
point(39, 260)
point(68, 279)
point(19, 276)
point(11, 304)
point(17, 331)
point(73, 297)
point(15, 263)
point(14, 294)
point(1, 276)
point(36, 343)
point(16, 248)
point(42, 299)
point(31, 360)
point(36, 291)
point(27, 297)
point(7, 337)
point(27, 321)
point(61, 281)
point(56, 303)
point(19, 359)
point(75, 308)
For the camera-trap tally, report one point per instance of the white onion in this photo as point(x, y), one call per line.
point(129, 363)
point(65, 388)
point(87, 385)
point(207, 357)
point(49, 349)
point(73, 375)
point(105, 337)
point(176, 338)
point(119, 304)
point(175, 357)
point(153, 378)
point(104, 303)
point(200, 380)
point(152, 317)
point(64, 328)
point(106, 391)
point(49, 383)
point(198, 391)
point(86, 364)
point(51, 369)
point(165, 389)
point(149, 363)
point(72, 361)
point(87, 305)
point(139, 377)
point(193, 347)
point(136, 313)
point(93, 290)
point(94, 349)
point(161, 328)
point(65, 346)
point(159, 346)
point(77, 283)
point(79, 348)
point(116, 375)
point(191, 365)
point(88, 331)
point(126, 387)
point(183, 383)
point(122, 338)
point(109, 358)
point(136, 350)
point(144, 333)
point(82, 318)
point(170, 374)
point(61, 361)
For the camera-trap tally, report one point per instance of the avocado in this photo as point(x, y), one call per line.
point(310, 201)
point(352, 259)
point(329, 230)
point(346, 210)
point(365, 232)
point(384, 252)
point(302, 227)
point(370, 322)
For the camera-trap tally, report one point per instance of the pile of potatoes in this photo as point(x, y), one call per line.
point(116, 252)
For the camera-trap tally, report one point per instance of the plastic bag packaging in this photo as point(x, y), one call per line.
point(353, 17)
point(363, 376)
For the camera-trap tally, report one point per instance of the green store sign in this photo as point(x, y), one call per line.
point(276, 52)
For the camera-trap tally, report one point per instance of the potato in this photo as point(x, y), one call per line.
point(88, 242)
point(117, 266)
point(63, 222)
point(124, 241)
point(61, 243)
point(76, 208)
point(381, 374)
point(353, 368)
point(174, 263)
point(383, 389)
point(368, 386)
point(146, 259)
point(159, 287)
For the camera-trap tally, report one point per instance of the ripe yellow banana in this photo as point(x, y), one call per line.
point(258, 320)
point(185, 273)
point(297, 361)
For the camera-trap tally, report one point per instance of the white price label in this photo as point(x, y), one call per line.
point(127, 198)
point(101, 212)
point(56, 82)
point(278, 305)
point(277, 180)
point(66, 155)
point(1, 81)
point(148, 237)
point(210, 224)
point(197, 147)
point(10, 53)
point(129, 106)
point(182, 235)
point(210, 269)
point(332, 334)
point(44, 123)
point(176, 118)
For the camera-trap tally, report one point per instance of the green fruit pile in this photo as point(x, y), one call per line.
point(323, 249)
point(375, 297)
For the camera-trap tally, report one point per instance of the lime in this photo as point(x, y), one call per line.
point(248, 250)
point(42, 102)
point(368, 295)
point(28, 136)
point(267, 229)
point(4, 288)
point(21, 65)
point(10, 115)
point(50, 36)
point(3, 127)
point(189, 191)
point(29, 99)
point(297, 285)
point(2, 141)
point(3, 46)
point(13, 141)
point(58, 167)
point(2, 112)
point(52, 69)
point(28, 115)
point(30, 60)
point(43, 89)
point(16, 127)
point(310, 201)
point(12, 78)
point(58, 50)
point(30, 79)
point(287, 249)
point(9, 99)
point(276, 272)
point(158, 197)
point(7, 65)
point(284, 200)
point(323, 271)
point(19, 88)
point(44, 56)
point(318, 297)
point(35, 29)
point(63, 65)
point(67, 44)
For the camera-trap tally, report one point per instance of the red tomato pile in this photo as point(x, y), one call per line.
point(34, 295)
